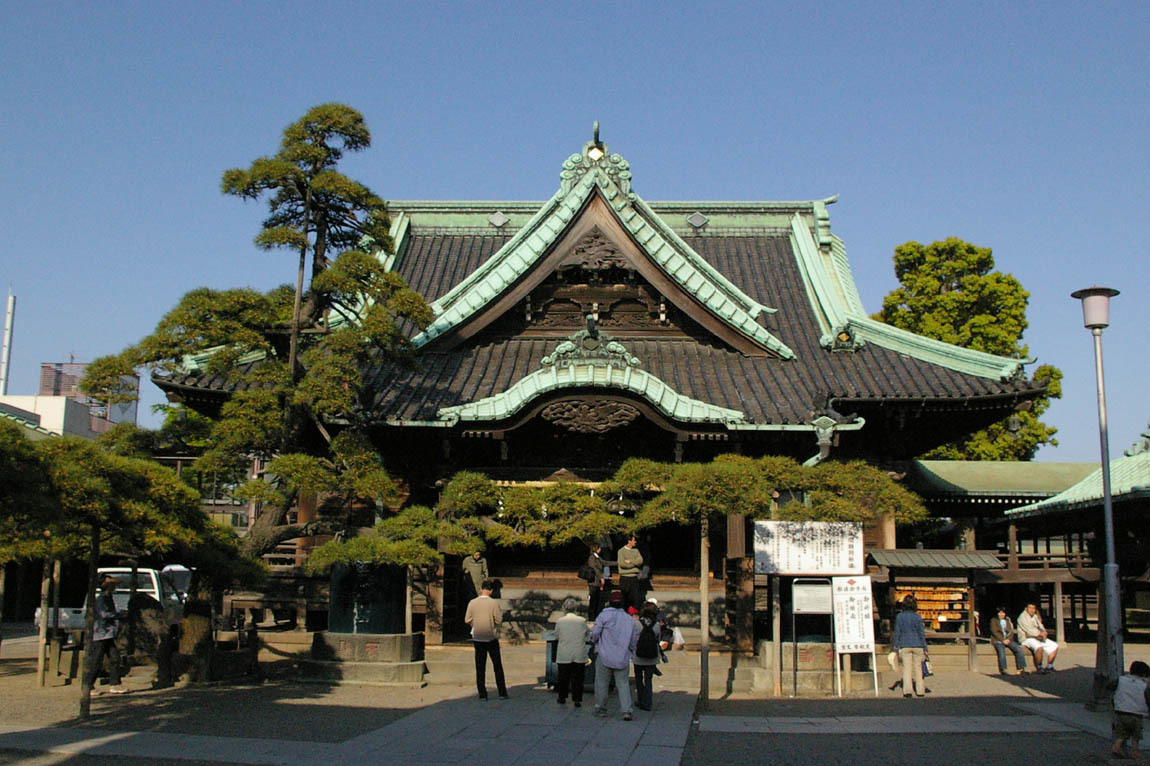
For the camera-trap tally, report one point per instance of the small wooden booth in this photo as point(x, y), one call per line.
point(942, 581)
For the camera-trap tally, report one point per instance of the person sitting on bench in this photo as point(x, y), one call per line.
point(1002, 637)
point(1034, 637)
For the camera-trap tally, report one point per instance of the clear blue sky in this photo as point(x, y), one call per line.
point(1019, 126)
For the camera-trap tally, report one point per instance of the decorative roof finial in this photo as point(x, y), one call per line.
point(595, 135)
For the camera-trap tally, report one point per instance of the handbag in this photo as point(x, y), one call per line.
point(892, 659)
point(927, 668)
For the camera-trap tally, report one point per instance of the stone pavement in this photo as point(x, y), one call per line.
point(964, 718)
point(529, 728)
point(290, 723)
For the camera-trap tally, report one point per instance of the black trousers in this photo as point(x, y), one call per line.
point(571, 679)
point(632, 594)
point(644, 677)
point(100, 648)
point(483, 649)
point(594, 601)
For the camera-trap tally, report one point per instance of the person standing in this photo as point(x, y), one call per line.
point(646, 657)
point(1034, 637)
point(475, 572)
point(630, 563)
point(597, 563)
point(571, 653)
point(485, 615)
point(910, 642)
point(105, 622)
point(1002, 637)
point(1131, 705)
point(614, 635)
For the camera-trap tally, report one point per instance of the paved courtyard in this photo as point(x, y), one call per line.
point(966, 719)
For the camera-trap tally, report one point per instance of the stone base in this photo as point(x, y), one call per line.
point(813, 682)
point(409, 674)
point(367, 647)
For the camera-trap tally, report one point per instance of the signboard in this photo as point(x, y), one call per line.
point(811, 598)
point(808, 548)
point(854, 623)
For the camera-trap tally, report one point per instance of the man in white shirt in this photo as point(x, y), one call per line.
point(1033, 635)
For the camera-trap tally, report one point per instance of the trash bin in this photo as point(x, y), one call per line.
point(550, 667)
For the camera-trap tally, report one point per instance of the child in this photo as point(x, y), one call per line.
point(1131, 705)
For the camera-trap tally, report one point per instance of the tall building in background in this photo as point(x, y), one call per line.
point(63, 379)
point(61, 408)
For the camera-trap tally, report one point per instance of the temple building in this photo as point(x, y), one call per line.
point(571, 334)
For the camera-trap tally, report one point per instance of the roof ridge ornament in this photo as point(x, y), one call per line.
point(590, 346)
point(1141, 446)
point(595, 154)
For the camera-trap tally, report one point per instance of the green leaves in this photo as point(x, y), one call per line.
point(950, 292)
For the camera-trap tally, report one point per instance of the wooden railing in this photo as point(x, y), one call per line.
point(1072, 560)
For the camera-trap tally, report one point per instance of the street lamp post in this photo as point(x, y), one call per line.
point(1108, 657)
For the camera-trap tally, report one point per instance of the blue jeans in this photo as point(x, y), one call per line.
point(1019, 655)
point(603, 676)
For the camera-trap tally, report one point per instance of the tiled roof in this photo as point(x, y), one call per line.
point(913, 558)
point(934, 478)
point(660, 244)
point(1129, 480)
point(766, 390)
point(771, 272)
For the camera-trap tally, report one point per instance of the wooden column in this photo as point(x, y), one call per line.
point(1012, 552)
point(971, 635)
point(1059, 613)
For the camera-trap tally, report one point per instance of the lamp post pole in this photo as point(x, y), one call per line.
point(1108, 659)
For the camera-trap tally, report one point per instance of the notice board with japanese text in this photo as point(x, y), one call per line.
point(808, 548)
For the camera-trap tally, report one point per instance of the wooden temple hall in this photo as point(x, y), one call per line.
point(574, 333)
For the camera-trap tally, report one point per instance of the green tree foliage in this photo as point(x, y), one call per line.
point(26, 511)
point(950, 291)
point(294, 360)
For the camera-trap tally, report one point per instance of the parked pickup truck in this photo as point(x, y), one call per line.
point(150, 582)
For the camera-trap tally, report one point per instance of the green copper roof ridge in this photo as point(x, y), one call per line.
point(1129, 475)
point(939, 352)
point(829, 311)
point(27, 425)
point(195, 362)
point(547, 380)
point(748, 304)
point(466, 298)
point(833, 308)
point(498, 257)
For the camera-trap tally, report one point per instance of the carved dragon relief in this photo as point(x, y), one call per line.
point(590, 417)
point(595, 253)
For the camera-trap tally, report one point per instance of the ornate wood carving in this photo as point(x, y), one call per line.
point(590, 417)
point(596, 253)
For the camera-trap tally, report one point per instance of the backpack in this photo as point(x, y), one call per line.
point(648, 646)
point(586, 573)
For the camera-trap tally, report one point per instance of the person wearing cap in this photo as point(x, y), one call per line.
point(571, 653)
point(666, 633)
point(614, 635)
point(105, 621)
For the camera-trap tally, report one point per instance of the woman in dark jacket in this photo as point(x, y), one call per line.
point(910, 643)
